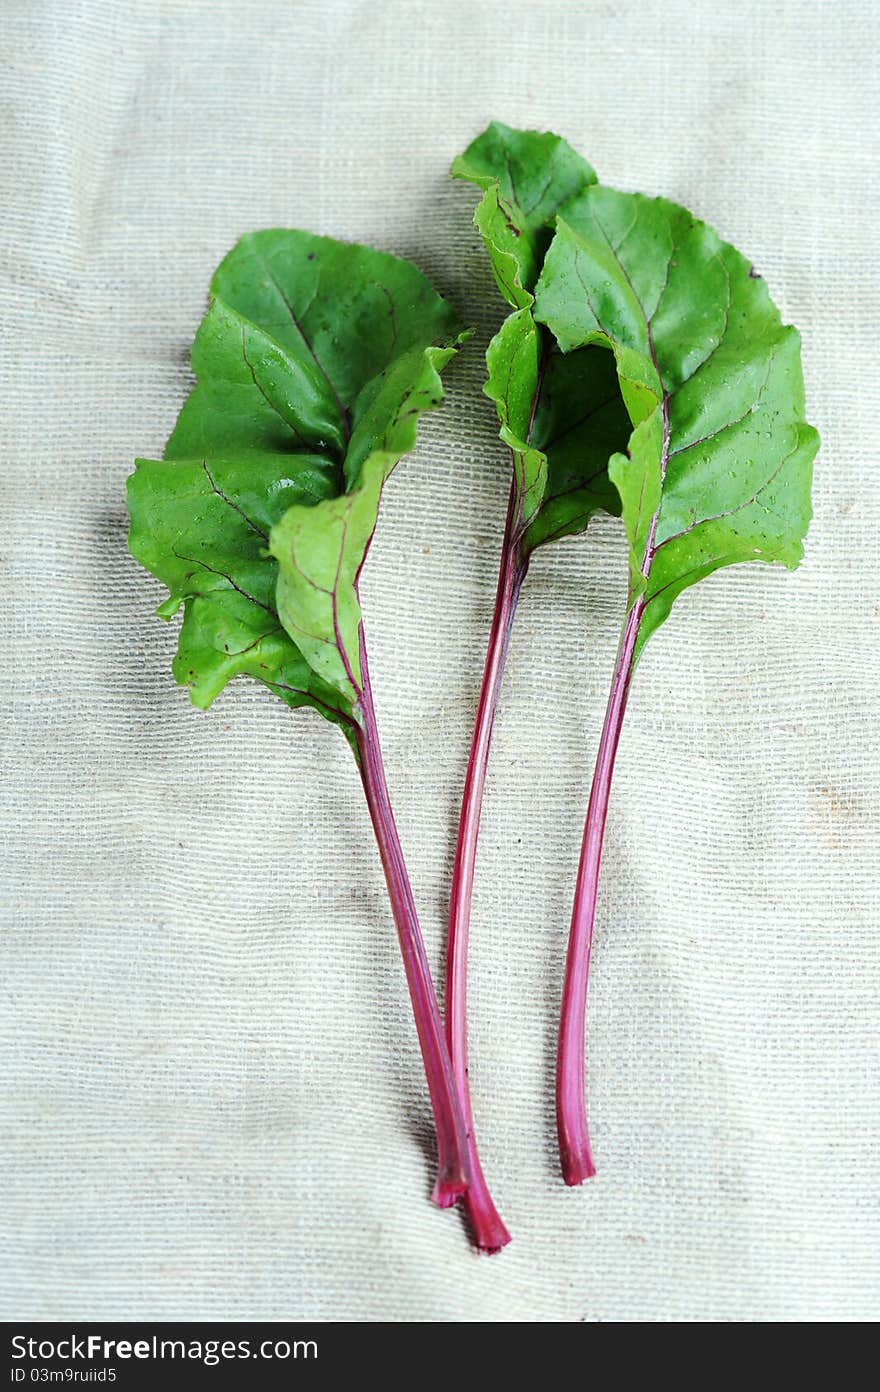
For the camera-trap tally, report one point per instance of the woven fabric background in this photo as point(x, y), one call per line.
point(214, 1103)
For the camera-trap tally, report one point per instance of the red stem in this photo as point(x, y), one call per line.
point(452, 1143)
point(488, 1227)
point(571, 1115)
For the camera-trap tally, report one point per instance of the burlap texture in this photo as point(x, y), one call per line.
point(214, 1104)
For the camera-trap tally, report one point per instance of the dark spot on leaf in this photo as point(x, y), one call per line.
point(753, 274)
point(311, 256)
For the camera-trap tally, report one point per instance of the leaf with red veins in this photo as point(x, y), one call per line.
point(560, 417)
point(718, 466)
point(314, 362)
point(320, 550)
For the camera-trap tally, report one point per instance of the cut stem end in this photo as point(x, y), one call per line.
point(448, 1191)
point(485, 1222)
point(577, 1168)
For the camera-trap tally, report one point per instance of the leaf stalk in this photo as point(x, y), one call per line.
point(453, 1169)
point(486, 1222)
point(575, 1153)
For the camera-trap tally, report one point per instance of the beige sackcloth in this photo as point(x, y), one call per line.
point(213, 1100)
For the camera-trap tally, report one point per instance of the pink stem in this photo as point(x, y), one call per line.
point(571, 1115)
point(488, 1227)
point(452, 1144)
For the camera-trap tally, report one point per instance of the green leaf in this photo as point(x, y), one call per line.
point(202, 527)
point(526, 177)
point(320, 550)
point(718, 466)
point(314, 362)
point(253, 396)
point(561, 417)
